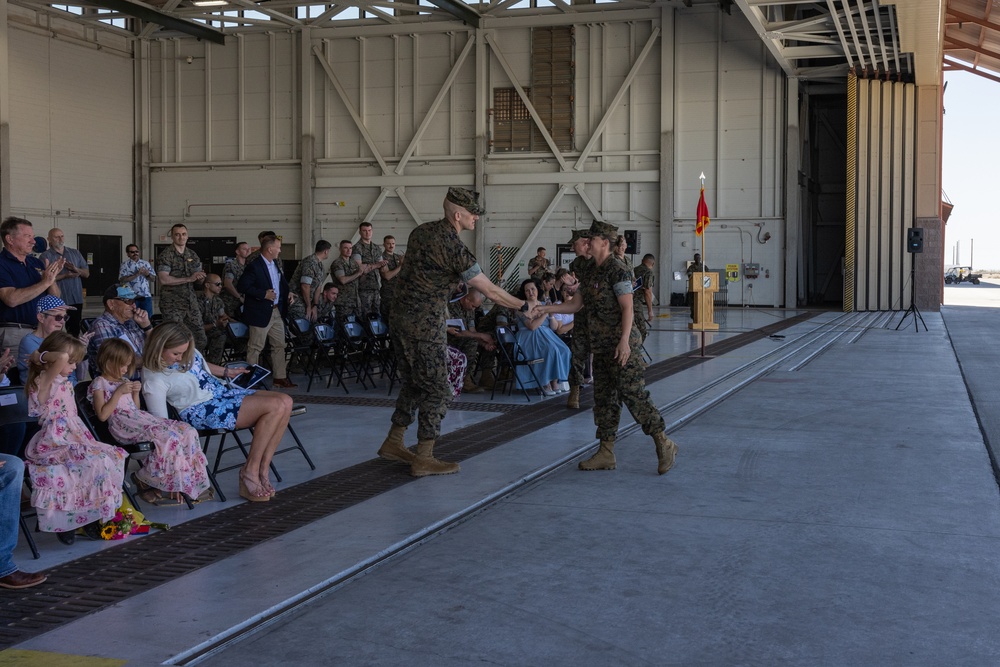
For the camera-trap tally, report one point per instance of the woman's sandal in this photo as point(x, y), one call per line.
point(260, 494)
point(140, 485)
point(159, 498)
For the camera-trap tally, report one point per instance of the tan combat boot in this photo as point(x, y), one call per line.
point(470, 387)
point(425, 464)
point(666, 451)
point(604, 459)
point(393, 448)
point(573, 402)
point(487, 380)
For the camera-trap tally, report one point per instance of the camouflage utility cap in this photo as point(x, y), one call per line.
point(579, 234)
point(467, 199)
point(604, 229)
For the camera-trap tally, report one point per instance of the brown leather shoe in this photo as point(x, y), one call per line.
point(18, 579)
point(284, 383)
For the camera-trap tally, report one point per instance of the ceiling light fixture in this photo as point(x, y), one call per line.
point(209, 3)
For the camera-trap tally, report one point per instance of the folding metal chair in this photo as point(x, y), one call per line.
point(237, 338)
point(355, 352)
point(15, 411)
point(297, 409)
point(325, 352)
point(381, 349)
point(511, 357)
point(136, 452)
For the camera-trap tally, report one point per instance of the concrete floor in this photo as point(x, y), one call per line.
point(837, 508)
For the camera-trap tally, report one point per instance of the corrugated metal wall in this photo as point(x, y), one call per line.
point(71, 117)
point(880, 181)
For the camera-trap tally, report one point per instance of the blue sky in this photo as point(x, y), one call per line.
point(970, 169)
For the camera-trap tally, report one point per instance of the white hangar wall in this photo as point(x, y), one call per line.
point(659, 96)
point(71, 119)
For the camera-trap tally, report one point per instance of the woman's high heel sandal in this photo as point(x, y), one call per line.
point(259, 494)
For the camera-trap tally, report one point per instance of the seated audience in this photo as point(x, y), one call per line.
point(539, 341)
point(52, 314)
point(175, 373)
point(76, 481)
point(325, 309)
point(466, 338)
point(120, 319)
point(11, 481)
point(214, 318)
point(548, 293)
point(176, 465)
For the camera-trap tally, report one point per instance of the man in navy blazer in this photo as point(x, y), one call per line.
point(265, 303)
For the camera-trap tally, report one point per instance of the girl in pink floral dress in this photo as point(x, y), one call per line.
point(75, 479)
point(176, 465)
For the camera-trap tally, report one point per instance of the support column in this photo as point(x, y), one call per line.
point(665, 255)
point(793, 199)
point(4, 114)
point(927, 207)
point(483, 104)
point(141, 223)
point(311, 228)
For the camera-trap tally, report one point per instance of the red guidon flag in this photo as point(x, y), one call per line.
point(703, 219)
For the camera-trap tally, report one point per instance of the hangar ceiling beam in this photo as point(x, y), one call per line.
point(153, 15)
point(459, 10)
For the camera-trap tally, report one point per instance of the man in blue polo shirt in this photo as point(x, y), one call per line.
point(23, 277)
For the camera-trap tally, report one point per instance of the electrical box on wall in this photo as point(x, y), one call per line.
point(732, 273)
point(751, 270)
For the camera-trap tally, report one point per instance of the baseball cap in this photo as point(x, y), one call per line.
point(49, 302)
point(119, 292)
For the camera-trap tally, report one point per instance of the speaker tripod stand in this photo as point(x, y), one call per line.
point(918, 319)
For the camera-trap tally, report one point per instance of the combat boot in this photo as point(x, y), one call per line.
point(425, 464)
point(470, 387)
point(604, 459)
point(666, 451)
point(393, 448)
point(573, 402)
point(487, 380)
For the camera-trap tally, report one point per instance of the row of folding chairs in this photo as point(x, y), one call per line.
point(358, 350)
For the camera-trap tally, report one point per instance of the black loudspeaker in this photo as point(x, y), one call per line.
point(915, 239)
point(632, 239)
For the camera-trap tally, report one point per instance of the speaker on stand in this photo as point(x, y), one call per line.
point(914, 246)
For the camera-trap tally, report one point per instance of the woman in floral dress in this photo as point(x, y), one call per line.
point(176, 465)
point(75, 479)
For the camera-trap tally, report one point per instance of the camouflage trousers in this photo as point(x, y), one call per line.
point(216, 346)
point(614, 385)
point(183, 308)
point(470, 348)
point(580, 350)
point(426, 392)
point(639, 314)
point(369, 302)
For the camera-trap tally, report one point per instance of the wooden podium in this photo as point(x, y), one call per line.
point(704, 286)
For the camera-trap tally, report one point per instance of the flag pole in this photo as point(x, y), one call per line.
point(704, 263)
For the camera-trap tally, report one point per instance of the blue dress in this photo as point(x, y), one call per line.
point(542, 343)
point(221, 410)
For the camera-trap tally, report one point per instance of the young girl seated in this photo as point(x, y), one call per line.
point(176, 465)
point(76, 480)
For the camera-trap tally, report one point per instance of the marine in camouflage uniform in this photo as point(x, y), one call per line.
point(309, 272)
point(231, 275)
point(368, 255)
point(212, 308)
point(618, 373)
point(392, 262)
point(178, 303)
point(488, 323)
point(347, 301)
point(436, 262)
point(642, 309)
point(581, 268)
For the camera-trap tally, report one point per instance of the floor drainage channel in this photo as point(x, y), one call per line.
point(97, 581)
